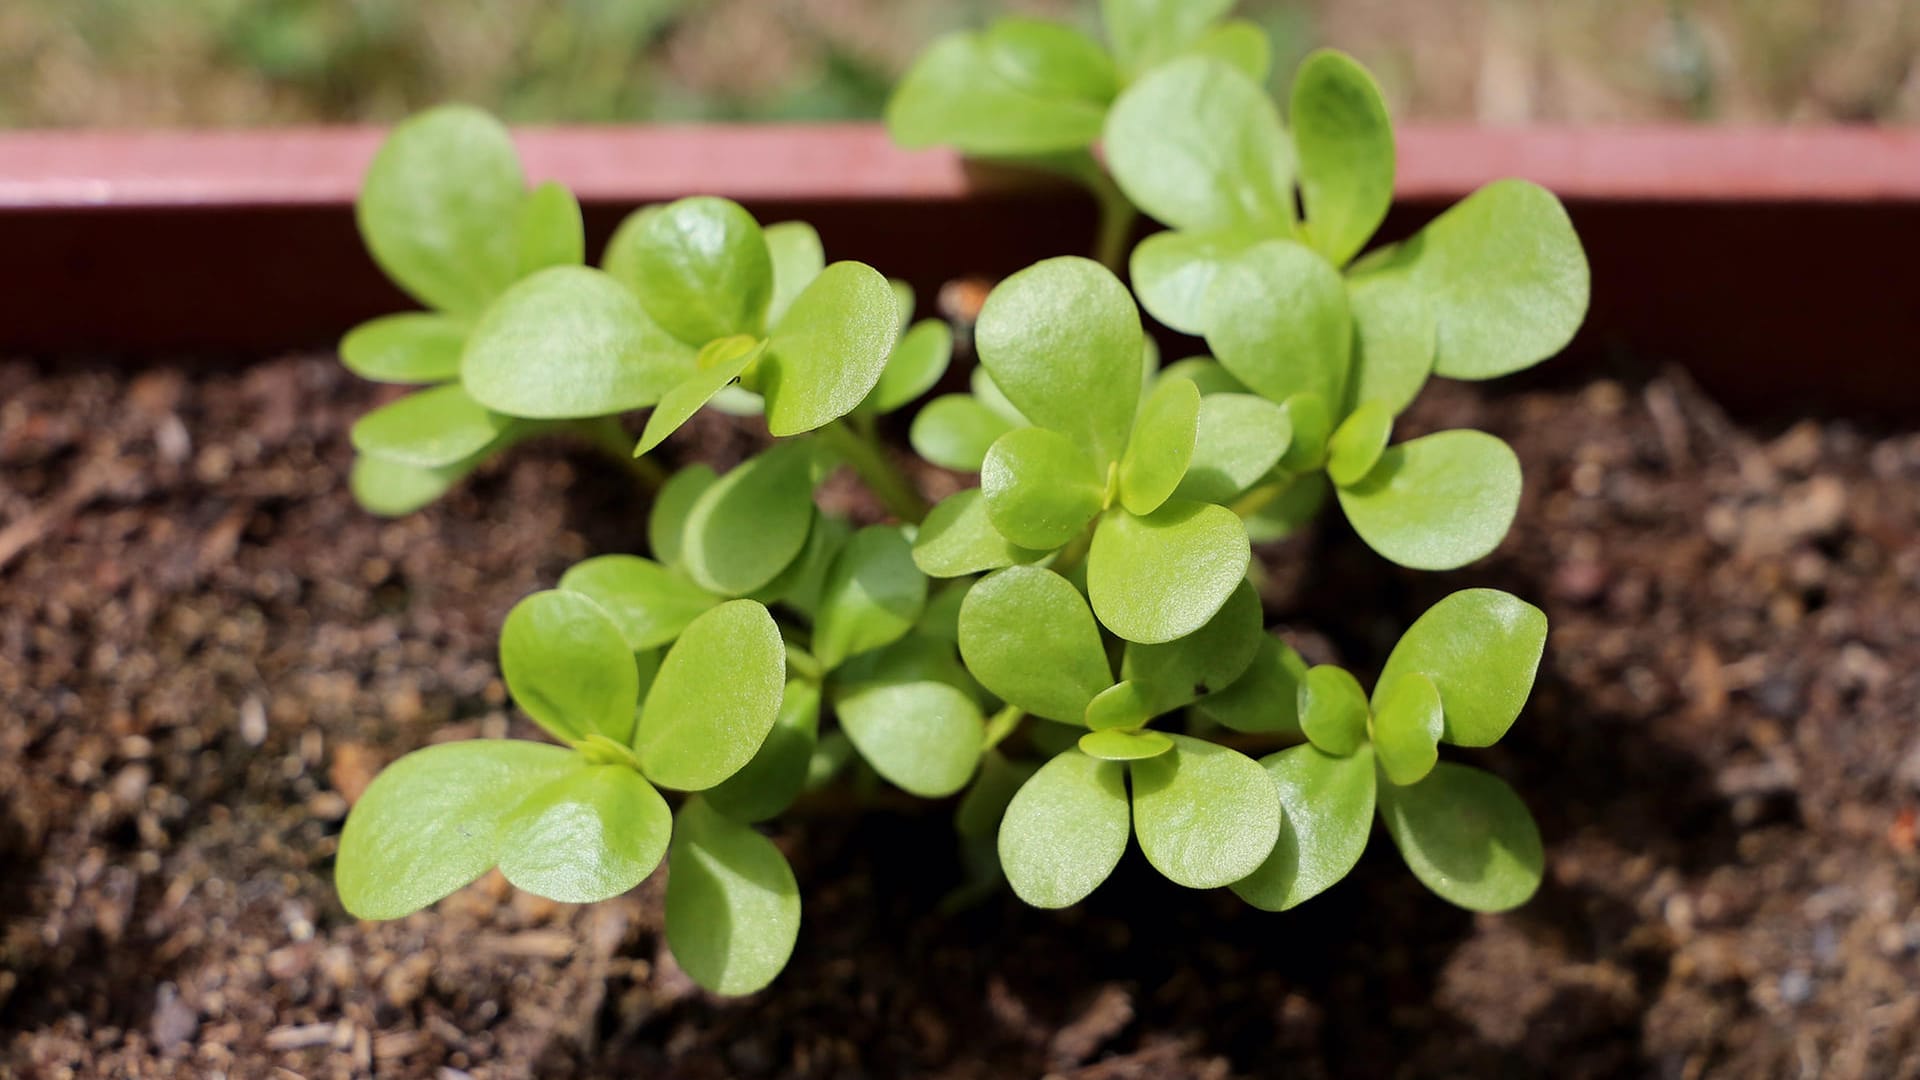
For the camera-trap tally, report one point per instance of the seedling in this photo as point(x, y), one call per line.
point(1073, 647)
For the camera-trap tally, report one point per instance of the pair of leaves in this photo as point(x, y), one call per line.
point(736, 534)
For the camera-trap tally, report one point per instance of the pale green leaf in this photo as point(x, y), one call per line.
point(719, 363)
point(1333, 709)
point(1356, 445)
point(429, 429)
point(1159, 577)
point(1406, 727)
point(585, 836)
point(1145, 32)
point(873, 594)
point(1161, 446)
point(1206, 815)
point(1049, 59)
point(1437, 502)
point(800, 584)
point(1345, 144)
point(916, 364)
point(985, 802)
point(1027, 635)
point(957, 95)
point(417, 347)
point(1198, 145)
point(1172, 272)
point(1393, 340)
point(987, 392)
point(1040, 488)
point(954, 431)
point(569, 667)
point(829, 350)
point(1266, 697)
point(798, 257)
point(958, 539)
point(1065, 830)
point(390, 489)
point(1297, 504)
point(1466, 836)
point(769, 783)
point(750, 524)
point(733, 907)
point(1311, 417)
point(1240, 43)
point(667, 523)
point(1277, 319)
point(1123, 705)
point(548, 230)
point(1115, 745)
point(700, 267)
point(649, 603)
point(1481, 648)
point(715, 699)
point(1177, 672)
point(1327, 813)
point(1206, 373)
point(924, 737)
point(1238, 439)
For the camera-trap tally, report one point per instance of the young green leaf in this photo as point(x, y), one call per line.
point(1065, 830)
point(569, 667)
point(416, 347)
point(649, 603)
point(1062, 340)
point(959, 93)
point(1112, 744)
point(829, 350)
point(667, 524)
point(1481, 648)
point(924, 737)
point(1345, 143)
point(570, 342)
point(958, 539)
point(1161, 446)
point(1356, 445)
point(733, 907)
point(751, 523)
point(1027, 635)
point(770, 782)
point(800, 584)
point(1040, 488)
point(988, 393)
point(1437, 502)
point(719, 363)
point(917, 657)
point(1122, 706)
point(1393, 340)
point(1205, 373)
point(1198, 145)
point(429, 429)
point(1333, 709)
point(1406, 728)
point(585, 836)
point(985, 802)
point(548, 230)
point(1180, 671)
point(1145, 32)
point(1266, 697)
point(1240, 43)
point(1206, 815)
point(872, 596)
point(916, 364)
point(429, 823)
point(700, 267)
point(941, 619)
point(1173, 271)
point(1049, 59)
point(798, 258)
point(1277, 319)
point(1238, 439)
point(1159, 577)
point(1296, 505)
point(438, 205)
point(1311, 417)
point(954, 431)
point(1466, 836)
point(390, 489)
point(715, 699)
point(1328, 812)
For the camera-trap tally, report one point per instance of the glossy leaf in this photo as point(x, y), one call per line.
point(585, 836)
point(1345, 144)
point(1481, 648)
point(918, 657)
point(1206, 815)
point(798, 258)
point(1333, 709)
point(958, 539)
point(1173, 271)
point(570, 342)
point(1027, 635)
point(720, 362)
point(1145, 32)
point(1266, 697)
point(770, 782)
point(1206, 373)
point(1065, 830)
point(1327, 813)
point(1393, 340)
point(568, 666)
point(715, 699)
point(1211, 658)
point(647, 602)
point(916, 364)
point(1115, 745)
point(1049, 59)
point(800, 584)
point(438, 204)
point(872, 596)
point(1436, 502)
point(1311, 417)
point(701, 268)
point(954, 95)
point(733, 907)
point(1466, 836)
point(1238, 439)
point(1122, 706)
point(954, 431)
point(829, 350)
point(1356, 445)
point(1198, 145)
point(987, 392)
point(1161, 447)
point(985, 802)
point(667, 523)
point(924, 737)
point(1159, 577)
point(750, 524)
point(430, 822)
point(1062, 340)
point(416, 347)
point(1277, 319)
point(1040, 488)
point(1406, 728)
point(548, 230)
point(429, 428)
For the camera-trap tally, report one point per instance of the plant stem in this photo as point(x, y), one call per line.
point(1001, 725)
point(876, 469)
point(1116, 223)
point(608, 437)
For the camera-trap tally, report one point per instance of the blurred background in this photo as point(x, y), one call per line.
point(233, 63)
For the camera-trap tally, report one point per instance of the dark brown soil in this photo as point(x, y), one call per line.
point(206, 651)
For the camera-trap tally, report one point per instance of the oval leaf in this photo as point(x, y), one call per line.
point(733, 907)
point(873, 595)
point(1356, 445)
point(1041, 489)
point(1238, 440)
point(1345, 142)
point(1211, 658)
point(1206, 815)
point(829, 350)
point(1327, 805)
point(649, 603)
point(667, 523)
point(390, 489)
point(585, 836)
point(1333, 710)
point(1027, 635)
point(1466, 836)
point(1160, 577)
point(924, 737)
point(412, 348)
point(569, 667)
point(700, 267)
point(429, 429)
point(1172, 272)
point(954, 431)
point(1437, 502)
point(751, 523)
point(798, 258)
point(1065, 830)
point(770, 782)
point(1161, 446)
point(955, 96)
point(720, 362)
point(958, 539)
point(1277, 319)
point(714, 700)
point(1266, 697)
point(1406, 728)
point(1393, 340)
point(916, 364)
point(1481, 648)
point(1115, 745)
point(548, 230)
point(1146, 32)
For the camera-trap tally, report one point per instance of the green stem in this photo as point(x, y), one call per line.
point(1002, 725)
point(607, 436)
point(1075, 550)
point(877, 470)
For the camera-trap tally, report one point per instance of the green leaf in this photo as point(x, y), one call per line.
point(429, 429)
point(1206, 373)
point(1026, 634)
point(1291, 510)
point(700, 267)
point(982, 807)
point(1506, 276)
point(958, 539)
point(961, 92)
point(1198, 145)
point(1062, 339)
point(1345, 142)
point(390, 489)
point(1356, 445)
point(873, 595)
point(1312, 422)
point(799, 586)
point(798, 258)
point(649, 603)
point(1266, 697)
point(918, 657)
point(924, 737)
point(1406, 727)
point(719, 363)
point(1049, 59)
point(1393, 340)
point(569, 667)
point(1065, 830)
point(666, 525)
point(1206, 815)
point(1180, 671)
point(1115, 745)
point(954, 431)
point(585, 836)
point(1333, 709)
point(1159, 577)
point(1437, 502)
point(1481, 648)
point(416, 347)
point(941, 619)
point(1466, 836)
point(829, 350)
point(1146, 32)
point(1240, 43)
point(1238, 439)
point(715, 699)
point(570, 342)
point(987, 392)
point(1328, 812)
point(429, 823)
point(437, 208)
point(1040, 488)
point(1123, 705)
point(1161, 447)
point(751, 523)
point(733, 907)
point(1172, 272)
point(1277, 318)
point(548, 230)
point(915, 365)
point(768, 784)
